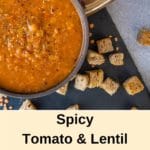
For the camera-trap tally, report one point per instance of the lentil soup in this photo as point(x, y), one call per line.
point(40, 41)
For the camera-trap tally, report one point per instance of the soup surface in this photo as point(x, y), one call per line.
point(40, 41)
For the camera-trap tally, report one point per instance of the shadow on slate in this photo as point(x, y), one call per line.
point(96, 98)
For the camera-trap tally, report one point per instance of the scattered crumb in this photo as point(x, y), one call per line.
point(133, 85)
point(6, 100)
point(110, 36)
point(144, 37)
point(116, 39)
point(91, 25)
point(92, 41)
point(10, 108)
point(117, 48)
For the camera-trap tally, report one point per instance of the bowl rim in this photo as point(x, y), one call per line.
point(79, 62)
point(95, 6)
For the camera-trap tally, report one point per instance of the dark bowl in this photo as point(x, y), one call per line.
point(81, 58)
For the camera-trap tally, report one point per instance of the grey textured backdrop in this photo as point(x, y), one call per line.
point(130, 16)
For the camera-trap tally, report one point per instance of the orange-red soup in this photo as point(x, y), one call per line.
point(40, 41)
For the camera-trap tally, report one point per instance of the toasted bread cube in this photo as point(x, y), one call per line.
point(110, 86)
point(73, 107)
point(144, 37)
point(27, 105)
point(117, 59)
point(81, 82)
point(133, 85)
point(105, 46)
point(63, 90)
point(96, 78)
point(95, 58)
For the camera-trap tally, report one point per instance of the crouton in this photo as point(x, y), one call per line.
point(117, 59)
point(63, 90)
point(110, 86)
point(117, 49)
point(116, 39)
point(96, 78)
point(73, 107)
point(81, 82)
point(95, 58)
point(133, 85)
point(144, 37)
point(105, 46)
point(27, 105)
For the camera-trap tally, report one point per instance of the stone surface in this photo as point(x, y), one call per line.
point(130, 16)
